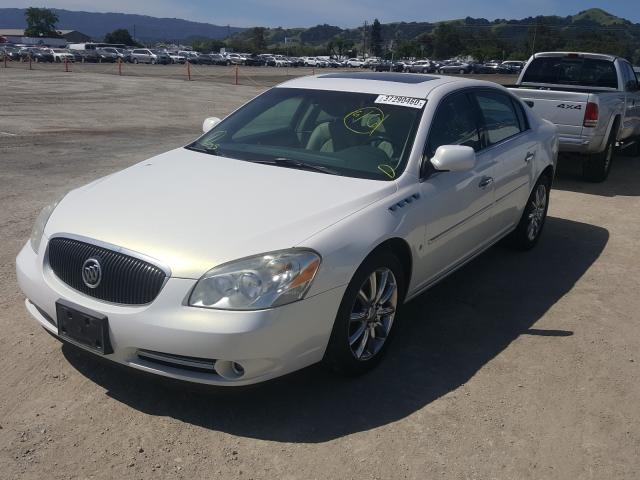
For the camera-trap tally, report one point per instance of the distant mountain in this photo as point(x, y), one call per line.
point(147, 29)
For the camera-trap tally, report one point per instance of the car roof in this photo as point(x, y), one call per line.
point(403, 84)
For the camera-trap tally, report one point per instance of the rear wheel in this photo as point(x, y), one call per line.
point(529, 229)
point(461, 72)
point(596, 168)
point(367, 317)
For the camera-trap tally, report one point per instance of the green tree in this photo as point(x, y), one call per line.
point(41, 22)
point(446, 41)
point(120, 35)
point(376, 38)
point(207, 46)
point(258, 39)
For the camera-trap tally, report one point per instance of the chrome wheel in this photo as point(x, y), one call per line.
point(372, 314)
point(537, 213)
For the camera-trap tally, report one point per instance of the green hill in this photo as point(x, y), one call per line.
point(590, 30)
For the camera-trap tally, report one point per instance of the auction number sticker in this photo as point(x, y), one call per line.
point(403, 101)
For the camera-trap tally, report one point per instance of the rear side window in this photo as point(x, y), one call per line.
point(454, 124)
point(586, 72)
point(500, 118)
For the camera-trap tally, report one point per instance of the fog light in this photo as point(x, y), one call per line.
point(237, 369)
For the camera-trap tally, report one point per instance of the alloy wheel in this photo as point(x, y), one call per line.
point(372, 314)
point(537, 213)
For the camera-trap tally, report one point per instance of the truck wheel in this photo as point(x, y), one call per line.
point(596, 168)
point(529, 229)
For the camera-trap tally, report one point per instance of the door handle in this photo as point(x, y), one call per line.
point(485, 182)
point(530, 156)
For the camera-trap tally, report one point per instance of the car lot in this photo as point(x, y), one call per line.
point(523, 366)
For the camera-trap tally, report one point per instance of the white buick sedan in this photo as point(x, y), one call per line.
point(293, 230)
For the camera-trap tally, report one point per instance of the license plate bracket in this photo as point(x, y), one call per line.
point(83, 327)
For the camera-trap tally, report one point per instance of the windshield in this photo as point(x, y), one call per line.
point(346, 133)
point(586, 72)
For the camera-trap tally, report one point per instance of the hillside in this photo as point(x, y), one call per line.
point(592, 30)
point(147, 29)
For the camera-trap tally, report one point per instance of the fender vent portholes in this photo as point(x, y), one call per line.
point(404, 202)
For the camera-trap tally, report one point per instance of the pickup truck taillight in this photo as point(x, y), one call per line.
point(591, 115)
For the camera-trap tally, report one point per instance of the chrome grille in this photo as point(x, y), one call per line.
point(125, 279)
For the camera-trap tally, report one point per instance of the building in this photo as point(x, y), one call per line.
point(16, 35)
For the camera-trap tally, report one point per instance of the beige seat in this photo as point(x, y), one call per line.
point(322, 140)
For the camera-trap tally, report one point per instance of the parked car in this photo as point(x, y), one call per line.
point(120, 53)
point(235, 59)
point(457, 67)
point(38, 54)
point(177, 57)
point(254, 61)
point(13, 53)
point(61, 55)
point(387, 66)
point(145, 55)
point(218, 59)
point(88, 56)
point(421, 66)
point(284, 277)
point(594, 99)
point(107, 56)
point(514, 66)
point(354, 63)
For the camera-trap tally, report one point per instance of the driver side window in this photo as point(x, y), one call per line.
point(455, 123)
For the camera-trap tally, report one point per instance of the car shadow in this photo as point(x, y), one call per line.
point(449, 333)
point(624, 178)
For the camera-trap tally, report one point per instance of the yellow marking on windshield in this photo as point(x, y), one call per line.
point(388, 170)
point(211, 141)
point(364, 121)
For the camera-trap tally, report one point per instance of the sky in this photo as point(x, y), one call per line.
point(343, 13)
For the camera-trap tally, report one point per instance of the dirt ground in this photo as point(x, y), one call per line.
point(519, 366)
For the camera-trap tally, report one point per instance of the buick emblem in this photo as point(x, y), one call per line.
point(91, 272)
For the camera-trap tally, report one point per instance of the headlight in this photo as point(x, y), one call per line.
point(38, 227)
point(258, 282)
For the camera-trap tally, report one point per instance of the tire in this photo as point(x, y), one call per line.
point(596, 168)
point(461, 72)
point(352, 350)
point(135, 60)
point(534, 216)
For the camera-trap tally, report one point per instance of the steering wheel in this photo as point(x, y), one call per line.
point(377, 139)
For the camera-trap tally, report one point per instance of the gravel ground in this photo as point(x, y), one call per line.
point(519, 366)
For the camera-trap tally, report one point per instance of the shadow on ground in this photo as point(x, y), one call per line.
point(449, 333)
point(624, 178)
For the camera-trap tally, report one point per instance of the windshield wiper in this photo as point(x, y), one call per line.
point(202, 149)
point(291, 163)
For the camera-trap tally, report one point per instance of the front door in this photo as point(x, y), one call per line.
point(457, 206)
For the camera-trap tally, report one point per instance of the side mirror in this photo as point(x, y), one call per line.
point(209, 123)
point(454, 158)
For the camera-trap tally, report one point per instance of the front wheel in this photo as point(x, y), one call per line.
point(529, 229)
point(367, 317)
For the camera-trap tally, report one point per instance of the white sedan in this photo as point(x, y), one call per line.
point(293, 230)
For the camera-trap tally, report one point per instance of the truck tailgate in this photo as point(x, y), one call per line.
point(565, 109)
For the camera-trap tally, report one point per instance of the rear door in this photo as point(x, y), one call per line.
point(507, 142)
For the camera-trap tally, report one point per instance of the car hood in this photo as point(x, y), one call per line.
point(192, 211)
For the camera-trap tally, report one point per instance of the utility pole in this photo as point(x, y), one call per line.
point(533, 46)
point(364, 39)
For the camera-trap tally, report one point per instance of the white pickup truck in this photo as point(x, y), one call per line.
point(593, 99)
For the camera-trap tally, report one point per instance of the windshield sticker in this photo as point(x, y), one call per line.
point(211, 142)
point(402, 101)
point(388, 170)
point(365, 121)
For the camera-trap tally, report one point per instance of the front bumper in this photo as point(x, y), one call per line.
point(266, 343)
